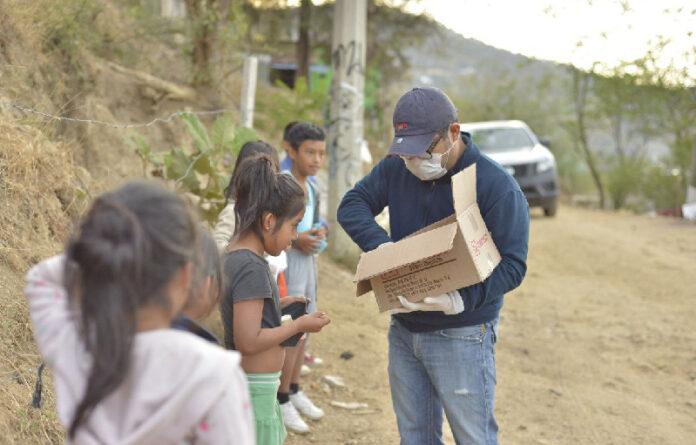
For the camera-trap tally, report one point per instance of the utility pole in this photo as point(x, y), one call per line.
point(246, 117)
point(346, 124)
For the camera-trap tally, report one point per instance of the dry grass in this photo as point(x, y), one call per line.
point(19, 360)
point(39, 185)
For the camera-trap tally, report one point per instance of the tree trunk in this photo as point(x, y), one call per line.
point(617, 124)
point(580, 91)
point(171, 90)
point(303, 44)
point(205, 16)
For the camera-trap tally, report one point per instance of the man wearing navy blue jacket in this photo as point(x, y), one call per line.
point(441, 350)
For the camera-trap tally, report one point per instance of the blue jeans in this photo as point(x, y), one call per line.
point(452, 369)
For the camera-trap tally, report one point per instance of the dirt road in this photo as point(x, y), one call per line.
point(597, 346)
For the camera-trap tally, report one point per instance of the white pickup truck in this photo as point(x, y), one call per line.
point(514, 145)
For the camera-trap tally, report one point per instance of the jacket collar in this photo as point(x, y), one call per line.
point(471, 153)
point(470, 156)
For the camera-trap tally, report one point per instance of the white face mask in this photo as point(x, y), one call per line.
point(429, 169)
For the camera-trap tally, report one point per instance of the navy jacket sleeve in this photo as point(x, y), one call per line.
point(359, 206)
point(508, 222)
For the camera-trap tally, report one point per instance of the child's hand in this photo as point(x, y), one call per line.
point(313, 322)
point(322, 232)
point(287, 301)
point(307, 242)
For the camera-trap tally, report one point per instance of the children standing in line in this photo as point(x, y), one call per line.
point(268, 207)
point(101, 314)
point(307, 149)
point(205, 291)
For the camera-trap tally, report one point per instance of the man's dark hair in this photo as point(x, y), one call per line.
point(304, 131)
point(286, 131)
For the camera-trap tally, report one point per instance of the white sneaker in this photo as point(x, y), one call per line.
point(305, 406)
point(292, 419)
point(304, 370)
point(312, 359)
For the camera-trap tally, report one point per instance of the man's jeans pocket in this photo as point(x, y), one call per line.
point(468, 333)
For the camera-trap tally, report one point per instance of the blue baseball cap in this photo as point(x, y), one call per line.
point(418, 116)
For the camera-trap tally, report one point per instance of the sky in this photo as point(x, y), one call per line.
point(612, 31)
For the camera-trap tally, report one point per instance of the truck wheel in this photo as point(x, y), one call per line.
point(551, 209)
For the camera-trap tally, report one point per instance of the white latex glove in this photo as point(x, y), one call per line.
point(450, 303)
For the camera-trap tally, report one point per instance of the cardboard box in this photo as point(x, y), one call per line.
point(455, 252)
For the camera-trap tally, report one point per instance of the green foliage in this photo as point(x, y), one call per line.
point(146, 25)
point(284, 105)
point(624, 179)
point(69, 27)
point(202, 170)
point(214, 30)
point(663, 187)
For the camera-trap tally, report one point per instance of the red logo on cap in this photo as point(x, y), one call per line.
point(401, 126)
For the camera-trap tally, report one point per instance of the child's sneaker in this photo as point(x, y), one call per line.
point(292, 419)
point(304, 370)
point(312, 359)
point(305, 406)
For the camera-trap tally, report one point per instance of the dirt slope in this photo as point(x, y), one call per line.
point(597, 346)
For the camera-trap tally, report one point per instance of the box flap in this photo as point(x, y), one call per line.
point(479, 241)
point(464, 189)
point(406, 251)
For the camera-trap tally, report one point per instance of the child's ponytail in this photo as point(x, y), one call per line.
point(125, 251)
point(260, 188)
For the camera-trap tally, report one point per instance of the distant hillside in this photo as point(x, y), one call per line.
point(467, 67)
point(446, 55)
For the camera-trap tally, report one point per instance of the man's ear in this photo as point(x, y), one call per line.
point(454, 132)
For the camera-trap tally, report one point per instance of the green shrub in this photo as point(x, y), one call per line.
point(284, 105)
point(202, 170)
point(663, 186)
point(624, 179)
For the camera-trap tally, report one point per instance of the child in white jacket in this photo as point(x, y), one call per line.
point(101, 316)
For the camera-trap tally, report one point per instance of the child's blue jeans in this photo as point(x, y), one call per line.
point(452, 369)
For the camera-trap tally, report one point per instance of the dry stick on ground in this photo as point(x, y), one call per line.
point(174, 91)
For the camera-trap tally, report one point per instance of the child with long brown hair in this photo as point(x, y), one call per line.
point(101, 314)
point(268, 207)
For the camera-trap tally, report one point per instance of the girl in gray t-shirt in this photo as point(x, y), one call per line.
point(268, 207)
